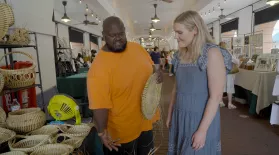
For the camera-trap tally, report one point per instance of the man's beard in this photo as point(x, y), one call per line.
point(119, 50)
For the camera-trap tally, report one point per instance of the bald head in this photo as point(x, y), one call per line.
point(114, 34)
point(112, 21)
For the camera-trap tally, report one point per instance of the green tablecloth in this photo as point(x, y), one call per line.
point(83, 69)
point(249, 97)
point(74, 85)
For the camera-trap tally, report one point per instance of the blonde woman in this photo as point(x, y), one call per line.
point(201, 68)
point(229, 86)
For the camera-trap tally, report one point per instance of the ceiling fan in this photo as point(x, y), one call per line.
point(152, 28)
point(222, 16)
point(87, 22)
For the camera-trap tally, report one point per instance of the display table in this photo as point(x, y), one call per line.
point(83, 69)
point(74, 85)
point(260, 84)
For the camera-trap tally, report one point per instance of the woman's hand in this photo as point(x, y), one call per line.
point(198, 140)
point(108, 142)
point(168, 122)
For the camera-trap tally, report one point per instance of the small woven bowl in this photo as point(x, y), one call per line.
point(53, 149)
point(6, 135)
point(14, 153)
point(50, 130)
point(75, 130)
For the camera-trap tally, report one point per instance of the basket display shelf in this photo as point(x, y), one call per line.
point(8, 48)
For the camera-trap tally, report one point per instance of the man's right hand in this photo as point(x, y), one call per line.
point(108, 142)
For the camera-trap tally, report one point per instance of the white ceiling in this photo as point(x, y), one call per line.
point(229, 7)
point(76, 11)
point(137, 14)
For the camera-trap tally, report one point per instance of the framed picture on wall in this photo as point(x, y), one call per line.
point(263, 64)
point(228, 42)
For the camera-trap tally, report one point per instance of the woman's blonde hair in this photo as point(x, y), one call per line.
point(192, 20)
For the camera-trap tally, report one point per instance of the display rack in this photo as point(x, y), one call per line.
point(8, 48)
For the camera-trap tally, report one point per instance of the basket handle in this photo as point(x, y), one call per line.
point(18, 52)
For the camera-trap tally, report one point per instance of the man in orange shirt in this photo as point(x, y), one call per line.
point(115, 84)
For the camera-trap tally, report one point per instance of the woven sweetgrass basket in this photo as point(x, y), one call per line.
point(53, 149)
point(2, 83)
point(26, 120)
point(8, 13)
point(14, 153)
point(151, 97)
point(6, 135)
point(4, 20)
point(75, 130)
point(28, 144)
point(2, 115)
point(75, 142)
point(50, 130)
point(19, 77)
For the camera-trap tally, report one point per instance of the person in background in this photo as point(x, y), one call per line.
point(115, 83)
point(200, 75)
point(163, 59)
point(169, 58)
point(155, 56)
point(93, 54)
point(229, 86)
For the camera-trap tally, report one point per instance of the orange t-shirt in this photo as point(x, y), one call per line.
point(116, 81)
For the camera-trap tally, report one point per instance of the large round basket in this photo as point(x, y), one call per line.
point(75, 130)
point(6, 135)
point(2, 82)
point(28, 144)
point(26, 120)
point(19, 77)
point(53, 149)
point(50, 130)
point(151, 97)
point(14, 153)
point(75, 142)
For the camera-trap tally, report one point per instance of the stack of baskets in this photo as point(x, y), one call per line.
point(35, 138)
point(19, 77)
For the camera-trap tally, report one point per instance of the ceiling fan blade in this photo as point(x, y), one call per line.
point(78, 23)
point(158, 29)
point(93, 23)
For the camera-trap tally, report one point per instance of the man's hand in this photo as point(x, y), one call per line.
point(108, 142)
point(159, 74)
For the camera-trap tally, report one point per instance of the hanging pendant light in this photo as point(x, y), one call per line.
point(65, 18)
point(155, 19)
point(272, 2)
point(152, 27)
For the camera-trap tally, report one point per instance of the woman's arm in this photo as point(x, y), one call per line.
point(216, 74)
point(216, 81)
point(173, 100)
